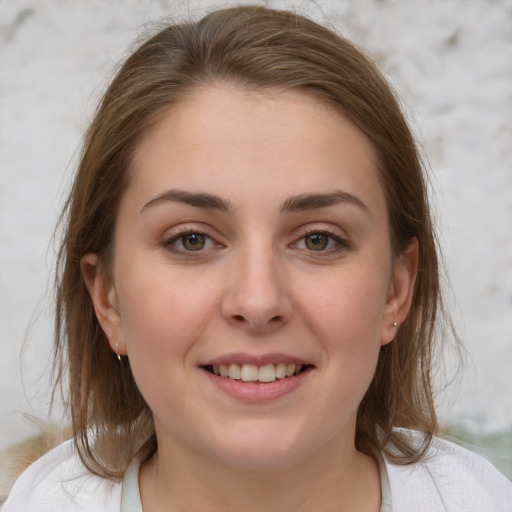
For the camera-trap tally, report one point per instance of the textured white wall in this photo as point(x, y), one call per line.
point(451, 60)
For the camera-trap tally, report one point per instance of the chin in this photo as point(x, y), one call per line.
point(258, 452)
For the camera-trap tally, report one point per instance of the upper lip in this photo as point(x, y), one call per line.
point(256, 359)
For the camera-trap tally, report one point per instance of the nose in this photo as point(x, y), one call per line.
point(257, 296)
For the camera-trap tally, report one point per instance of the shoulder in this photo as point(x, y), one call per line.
point(449, 479)
point(59, 481)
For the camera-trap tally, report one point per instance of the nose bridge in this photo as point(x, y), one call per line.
point(257, 296)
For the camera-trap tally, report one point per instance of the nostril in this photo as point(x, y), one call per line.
point(258, 321)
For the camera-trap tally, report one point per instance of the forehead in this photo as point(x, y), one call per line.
point(225, 139)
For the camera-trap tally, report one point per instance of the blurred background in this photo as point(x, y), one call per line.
point(449, 60)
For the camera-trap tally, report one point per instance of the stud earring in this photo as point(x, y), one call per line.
point(117, 351)
point(395, 324)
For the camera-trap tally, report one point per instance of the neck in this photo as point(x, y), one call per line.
point(342, 480)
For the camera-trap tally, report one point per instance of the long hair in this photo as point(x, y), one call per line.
point(259, 49)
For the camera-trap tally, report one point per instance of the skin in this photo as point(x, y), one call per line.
point(257, 286)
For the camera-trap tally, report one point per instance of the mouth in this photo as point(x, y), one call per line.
point(257, 373)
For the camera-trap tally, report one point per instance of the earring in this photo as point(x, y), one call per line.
point(395, 324)
point(117, 351)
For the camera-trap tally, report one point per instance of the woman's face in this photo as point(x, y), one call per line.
point(253, 283)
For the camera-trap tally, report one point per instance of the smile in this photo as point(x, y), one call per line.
point(256, 373)
point(257, 379)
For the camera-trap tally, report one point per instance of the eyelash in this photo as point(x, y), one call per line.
point(341, 244)
point(168, 242)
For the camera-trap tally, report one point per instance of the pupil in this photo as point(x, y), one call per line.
point(193, 242)
point(316, 241)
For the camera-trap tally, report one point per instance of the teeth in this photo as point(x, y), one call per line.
point(234, 371)
point(280, 371)
point(249, 372)
point(254, 373)
point(267, 373)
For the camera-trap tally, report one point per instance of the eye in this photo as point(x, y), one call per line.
point(189, 241)
point(322, 241)
point(193, 241)
point(316, 241)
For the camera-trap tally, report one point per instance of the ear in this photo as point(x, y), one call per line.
point(401, 291)
point(104, 299)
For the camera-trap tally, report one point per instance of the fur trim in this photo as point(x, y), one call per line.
point(15, 459)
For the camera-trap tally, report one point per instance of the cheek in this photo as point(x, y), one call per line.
point(347, 306)
point(163, 313)
point(345, 313)
point(162, 321)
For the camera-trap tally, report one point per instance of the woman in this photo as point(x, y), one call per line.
point(248, 288)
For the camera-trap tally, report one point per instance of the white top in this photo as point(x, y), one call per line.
point(130, 496)
point(449, 479)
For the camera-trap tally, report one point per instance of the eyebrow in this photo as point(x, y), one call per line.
point(306, 202)
point(302, 202)
point(197, 199)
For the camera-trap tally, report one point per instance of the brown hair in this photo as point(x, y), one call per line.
point(258, 48)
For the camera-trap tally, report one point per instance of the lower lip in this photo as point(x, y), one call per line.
point(254, 391)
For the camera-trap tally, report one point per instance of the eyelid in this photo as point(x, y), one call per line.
point(175, 234)
point(335, 234)
point(342, 241)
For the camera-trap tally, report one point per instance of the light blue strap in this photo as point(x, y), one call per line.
point(130, 498)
